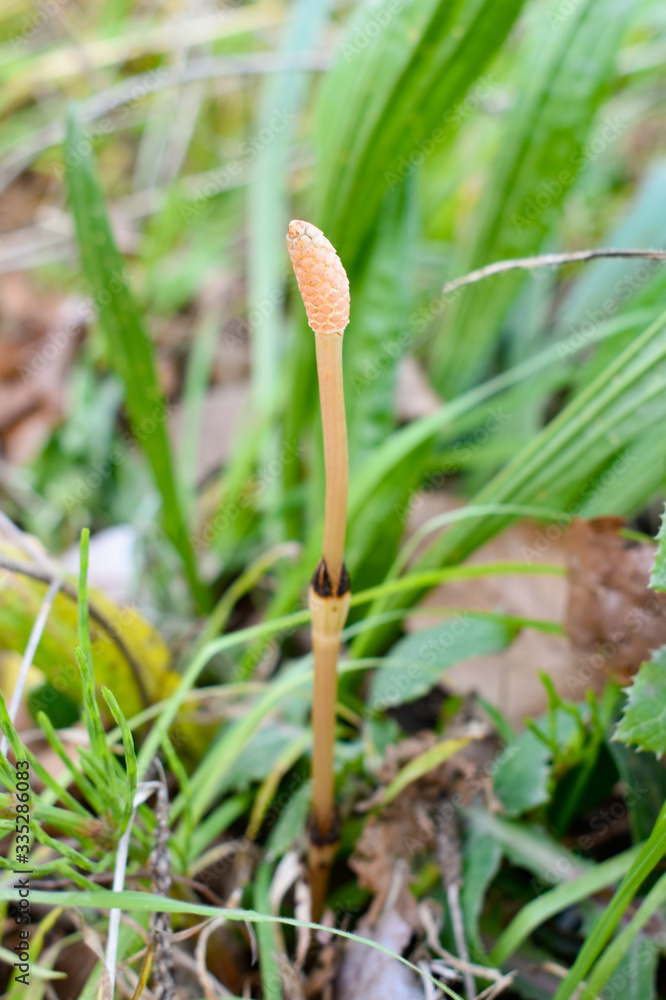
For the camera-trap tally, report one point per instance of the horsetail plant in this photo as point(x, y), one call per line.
point(324, 288)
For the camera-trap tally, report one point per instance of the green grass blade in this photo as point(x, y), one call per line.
point(84, 623)
point(400, 69)
point(538, 161)
point(9, 729)
point(620, 946)
point(129, 789)
point(94, 725)
point(267, 940)
point(539, 910)
point(128, 346)
point(421, 765)
point(645, 862)
point(85, 786)
point(279, 106)
point(146, 902)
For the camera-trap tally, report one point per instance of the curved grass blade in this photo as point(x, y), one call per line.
point(146, 902)
point(128, 347)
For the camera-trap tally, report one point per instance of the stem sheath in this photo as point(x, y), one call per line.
point(334, 424)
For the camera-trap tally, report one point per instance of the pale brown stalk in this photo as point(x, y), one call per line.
point(325, 291)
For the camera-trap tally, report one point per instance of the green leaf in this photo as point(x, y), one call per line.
point(530, 847)
point(481, 860)
point(522, 776)
point(128, 347)
point(542, 150)
point(279, 105)
point(643, 723)
point(257, 757)
point(421, 658)
point(658, 578)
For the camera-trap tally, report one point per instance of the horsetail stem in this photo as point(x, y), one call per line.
point(324, 288)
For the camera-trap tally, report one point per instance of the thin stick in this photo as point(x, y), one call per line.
point(144, 790)
point(545, 260)
point(453, 899)
point(325, 290)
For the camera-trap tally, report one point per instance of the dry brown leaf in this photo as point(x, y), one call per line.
point(509, 680)
point(613, 619)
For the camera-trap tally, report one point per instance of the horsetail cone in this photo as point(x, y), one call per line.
point(324, 288)
point(322, 280)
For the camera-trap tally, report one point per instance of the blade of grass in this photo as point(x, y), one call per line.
point(282, 96)
point(128, 346)
point(83, 610)
point(85, 786)
point(619, 947)
point(212, 826)
point(539, 910)
point(557, 100)
point(648, 857)
point(99, 750)
point(145, 902)
point(44, 775)
point(248, 579)
point(268, 789)
point(267, 939)
point(423, 764)
point(387, 93)
point(129, 789)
